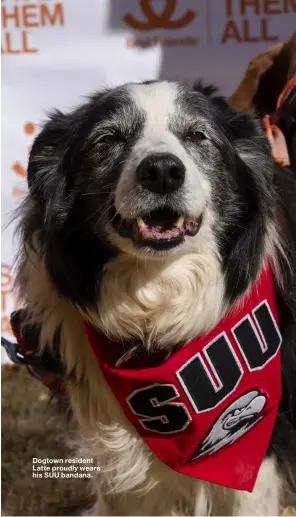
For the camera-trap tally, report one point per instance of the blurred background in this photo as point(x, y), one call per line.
point(56, 52)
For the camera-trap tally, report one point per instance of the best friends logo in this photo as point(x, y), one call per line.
point(166, 19)
point(159, 21)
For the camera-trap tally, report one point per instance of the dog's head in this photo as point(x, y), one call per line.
point(153, 170)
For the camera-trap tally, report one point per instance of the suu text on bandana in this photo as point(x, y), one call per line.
point(209, 410)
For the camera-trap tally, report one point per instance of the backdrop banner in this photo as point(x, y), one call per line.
point(56, 52)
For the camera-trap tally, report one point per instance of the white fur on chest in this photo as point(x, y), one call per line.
point(160, 304)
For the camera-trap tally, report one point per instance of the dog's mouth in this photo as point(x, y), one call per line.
point(160, 229)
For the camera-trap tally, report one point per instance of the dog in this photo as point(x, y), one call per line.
point(152, 209)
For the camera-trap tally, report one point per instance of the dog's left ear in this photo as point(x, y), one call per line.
point(239, 127)
point(252, 175)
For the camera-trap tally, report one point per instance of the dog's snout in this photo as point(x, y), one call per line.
point(161, 173)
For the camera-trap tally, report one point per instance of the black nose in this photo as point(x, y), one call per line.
point(161, 173)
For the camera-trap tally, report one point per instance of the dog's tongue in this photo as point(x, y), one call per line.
point(160, 225)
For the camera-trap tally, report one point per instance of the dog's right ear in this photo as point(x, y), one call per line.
point(55, 159)
point(50, 167)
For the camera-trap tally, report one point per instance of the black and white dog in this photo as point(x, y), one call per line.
point(151, 210)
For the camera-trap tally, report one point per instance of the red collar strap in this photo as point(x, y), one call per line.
point(209, 410)
point(291, 84)
point(25, 351)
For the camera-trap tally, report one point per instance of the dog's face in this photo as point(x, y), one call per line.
point(152, 170)
point(166, 143)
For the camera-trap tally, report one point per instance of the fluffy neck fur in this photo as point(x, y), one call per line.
point(160, 304)
point(156, 303)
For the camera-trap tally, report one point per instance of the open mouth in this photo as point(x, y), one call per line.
point(160, 229)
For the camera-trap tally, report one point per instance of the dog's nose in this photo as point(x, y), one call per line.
point(161, 173)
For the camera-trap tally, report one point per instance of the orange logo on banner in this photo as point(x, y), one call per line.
point(19, 169)
point(159, 21)
point(163, 21)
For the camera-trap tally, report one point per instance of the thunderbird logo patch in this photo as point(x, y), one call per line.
point(235, 421)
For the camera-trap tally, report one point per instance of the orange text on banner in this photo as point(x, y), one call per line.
point(242, 14)
point(23, 17)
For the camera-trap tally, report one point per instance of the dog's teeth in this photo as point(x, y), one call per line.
point(140, 222)
point(180, 222)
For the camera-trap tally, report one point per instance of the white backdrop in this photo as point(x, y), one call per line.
point(54, 53)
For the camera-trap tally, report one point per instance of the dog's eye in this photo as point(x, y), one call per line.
point(111, 138)
point(195, 136)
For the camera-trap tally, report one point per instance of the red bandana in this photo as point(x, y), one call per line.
point(209, 410)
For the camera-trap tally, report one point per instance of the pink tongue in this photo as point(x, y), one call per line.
point(156, 232)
